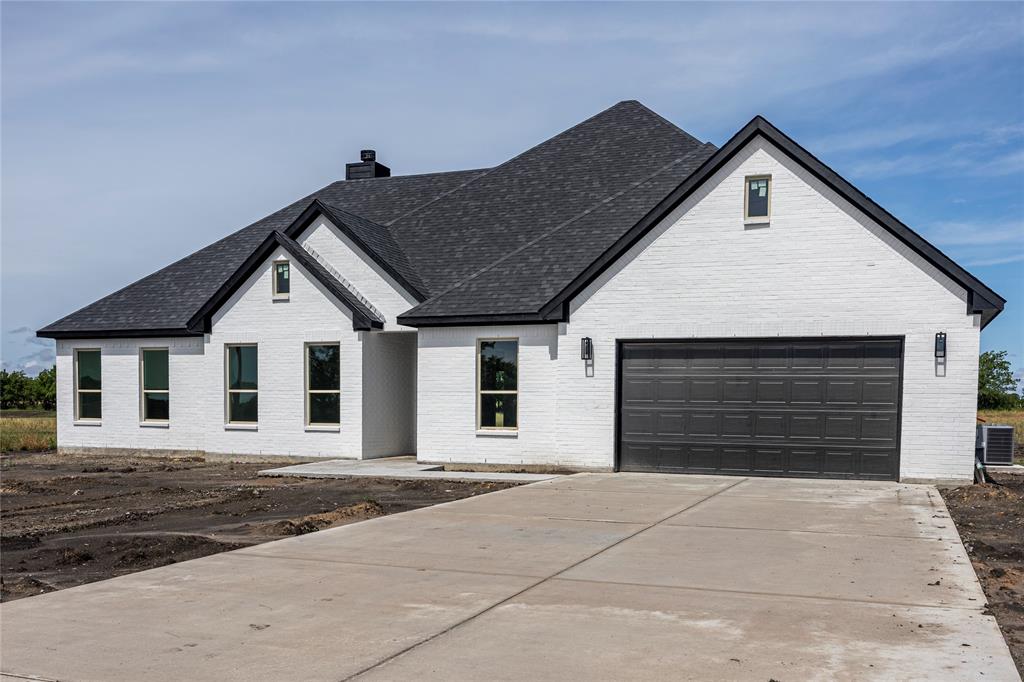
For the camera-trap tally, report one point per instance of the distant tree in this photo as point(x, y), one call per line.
point(44, 389)
point(14, 390)
point(997, 389)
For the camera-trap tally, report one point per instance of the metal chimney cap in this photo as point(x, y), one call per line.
point(368, 155)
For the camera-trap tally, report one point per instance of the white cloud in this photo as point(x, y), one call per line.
point(980, 243)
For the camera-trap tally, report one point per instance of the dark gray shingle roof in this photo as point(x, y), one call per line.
point(166, 300)
point(437, 230)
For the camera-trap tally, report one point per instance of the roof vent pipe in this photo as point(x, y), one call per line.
point(367, 167)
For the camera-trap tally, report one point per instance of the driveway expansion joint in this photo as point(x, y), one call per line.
point(554, 575)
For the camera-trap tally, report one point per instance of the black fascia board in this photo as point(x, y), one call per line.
point(471, 320)
point(115, 333)
point(980, 297)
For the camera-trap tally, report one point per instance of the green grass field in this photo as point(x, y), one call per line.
point(28, 430)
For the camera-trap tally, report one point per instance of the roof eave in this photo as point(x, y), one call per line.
point(475, 320)
point(47, 333)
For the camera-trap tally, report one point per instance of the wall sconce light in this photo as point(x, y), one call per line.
point(586, 348)
point(940, 345)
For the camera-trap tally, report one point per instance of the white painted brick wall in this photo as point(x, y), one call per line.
point(820, 269)
point(446, 408)
point(280, 329)
point(120, 426)
point(389, 395)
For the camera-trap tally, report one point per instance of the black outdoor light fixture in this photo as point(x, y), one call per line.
point(940, 345)
point(586, 348)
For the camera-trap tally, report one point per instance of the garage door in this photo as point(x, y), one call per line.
point(794, 407)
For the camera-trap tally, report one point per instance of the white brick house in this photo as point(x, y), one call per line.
point(621, 296)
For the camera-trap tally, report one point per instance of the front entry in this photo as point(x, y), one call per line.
point(814, 407)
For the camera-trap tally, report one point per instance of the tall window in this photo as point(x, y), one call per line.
point(282, 281)
point(323, 384)
point(757, 202)
point(88, 385)
point(498, 397)
point(242, 384)
point(156, 395)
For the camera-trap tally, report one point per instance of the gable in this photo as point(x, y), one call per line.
point(252, 306)
point(979, 298)
point(363, 314)
point(357, 267)
point(818, 261)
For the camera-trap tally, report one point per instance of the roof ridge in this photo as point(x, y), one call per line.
point(590, 209)
point(419, 284)
point(508, 161)
point(667, 122)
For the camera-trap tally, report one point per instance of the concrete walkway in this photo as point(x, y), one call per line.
point(593, 576)
point(395, 467)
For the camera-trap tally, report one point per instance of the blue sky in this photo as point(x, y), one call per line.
point(135, 133)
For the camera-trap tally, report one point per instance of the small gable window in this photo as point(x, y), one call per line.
point(282, 279)
point(757, 204)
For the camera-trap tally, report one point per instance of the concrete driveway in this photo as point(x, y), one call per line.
point(593, 576)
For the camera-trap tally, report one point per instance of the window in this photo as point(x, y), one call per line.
point(497, 369)
point(88, 385)
point(323, 385)
point(242, 384)
point(282, 285)
point(757, 203)
point(156, 395)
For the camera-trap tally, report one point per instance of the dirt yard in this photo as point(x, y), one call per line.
point(69, 520)
point(990, 519)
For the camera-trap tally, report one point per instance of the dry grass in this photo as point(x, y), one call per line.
point(36, 432)
point(1014, 418)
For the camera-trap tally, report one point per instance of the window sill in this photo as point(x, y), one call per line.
point(279, 297)
point(155, 425)
point(88, 422)
point(323, 429)
point(762, 222)
point(500, 433)
point(241, 427)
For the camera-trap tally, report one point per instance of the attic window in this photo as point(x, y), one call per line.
point(757, 201)
point(282, 282)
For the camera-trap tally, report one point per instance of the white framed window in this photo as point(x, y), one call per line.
point(242, 383)
point(323, 384)
point(154, 385)
point(497, 370)
point(282, 279)
point(88, 385)
point(757, 198)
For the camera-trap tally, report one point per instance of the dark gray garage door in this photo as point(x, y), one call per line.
point(794, 407)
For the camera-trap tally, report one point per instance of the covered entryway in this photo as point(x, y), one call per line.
point(822, 408)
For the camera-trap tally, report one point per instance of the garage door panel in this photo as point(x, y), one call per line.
point(705, 391)
point(772, 391)
point(880, 392)
point(738, 391)
point(843, 391)
point(773, 407)
point(669, 391)
point(737, 425)
point(807, 391)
